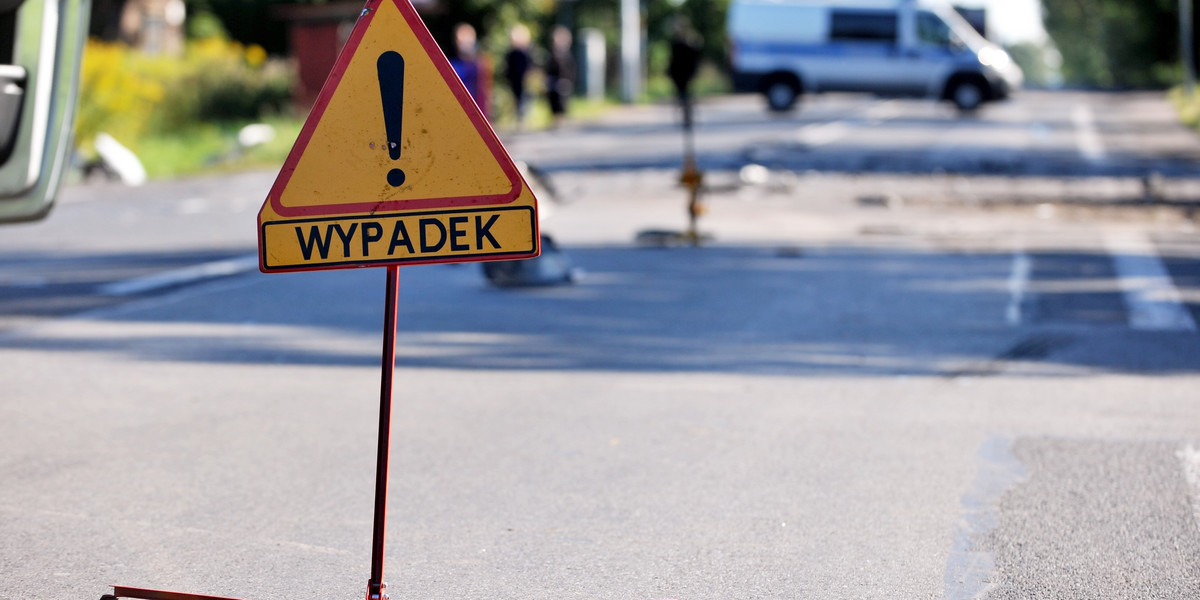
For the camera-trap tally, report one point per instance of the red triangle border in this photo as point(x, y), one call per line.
point(456, 87)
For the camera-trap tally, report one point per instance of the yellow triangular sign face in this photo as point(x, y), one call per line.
point(395, 164)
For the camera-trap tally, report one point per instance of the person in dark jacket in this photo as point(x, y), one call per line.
point(560, 73)
point(683, 64)
point(516, 67)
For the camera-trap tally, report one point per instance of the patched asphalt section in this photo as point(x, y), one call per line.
point(1095, 519)
point(970, 570)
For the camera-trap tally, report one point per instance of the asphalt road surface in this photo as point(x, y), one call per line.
point(865, 385)
point(1038, 134)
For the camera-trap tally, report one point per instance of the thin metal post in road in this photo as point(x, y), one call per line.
point(1187, 46)
point(376, 588)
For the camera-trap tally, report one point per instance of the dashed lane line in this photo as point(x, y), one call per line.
point(1087, 137)
point(820, 134)
point(1018, 284)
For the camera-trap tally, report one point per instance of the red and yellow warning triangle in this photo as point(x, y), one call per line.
point(395, 164)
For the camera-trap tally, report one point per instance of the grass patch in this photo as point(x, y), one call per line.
point(207, 148)
point(709, 81)
point(213, 147)
point(1187, 105)
point(538, 117)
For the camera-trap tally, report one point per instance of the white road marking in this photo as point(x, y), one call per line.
point(1039, 132)
point(1087, 138)
point(1018, 283)
point(823, 133)
point(883, 111)
point(193, 206)
point(1151, 297)
point(220, 268)
point(819, 134)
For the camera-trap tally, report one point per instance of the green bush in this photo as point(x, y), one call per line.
point(1187, 105)
point(219, 81)
point(120, 91)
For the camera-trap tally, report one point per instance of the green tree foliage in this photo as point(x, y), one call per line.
point(706, 16)
point(249, 21)
point(491, 19)
point(1033, 60)
point(258, 22)
point(1115, 43)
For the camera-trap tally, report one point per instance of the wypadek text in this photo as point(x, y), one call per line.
point(374, 240)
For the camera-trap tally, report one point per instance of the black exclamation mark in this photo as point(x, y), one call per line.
point(391, 89)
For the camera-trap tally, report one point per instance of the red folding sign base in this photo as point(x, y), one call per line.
point(144, 594)
point(376, 588)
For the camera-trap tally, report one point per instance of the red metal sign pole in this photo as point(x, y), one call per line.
point(376, 588)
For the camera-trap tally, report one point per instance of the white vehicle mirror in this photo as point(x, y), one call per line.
point(41, 46)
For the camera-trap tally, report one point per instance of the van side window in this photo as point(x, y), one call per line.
point(863, 25)
point(932, 30)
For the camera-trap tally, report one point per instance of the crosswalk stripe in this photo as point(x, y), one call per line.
point(1152, 300)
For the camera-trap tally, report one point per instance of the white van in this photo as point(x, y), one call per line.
point(921, 48)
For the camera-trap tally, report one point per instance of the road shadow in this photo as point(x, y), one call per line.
point(726, 309)
point(40, 284)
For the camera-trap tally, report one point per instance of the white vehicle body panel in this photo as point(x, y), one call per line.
point(888, 47)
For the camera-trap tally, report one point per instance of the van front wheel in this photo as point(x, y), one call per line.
point(781, 95)
point(967, 95)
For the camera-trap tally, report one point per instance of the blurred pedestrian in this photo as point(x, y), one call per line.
point(463, 60)
point(684, 62)
point(560, 73)
point(472, 69)
point(516, 67)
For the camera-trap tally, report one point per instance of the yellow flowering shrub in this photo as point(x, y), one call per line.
point(119, 92)
point(223, 80)
point(129, 94)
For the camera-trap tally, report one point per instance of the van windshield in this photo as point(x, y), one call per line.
point(958, 27)
point(934, 31)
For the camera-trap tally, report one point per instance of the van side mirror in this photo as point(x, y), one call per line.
point(41, 48)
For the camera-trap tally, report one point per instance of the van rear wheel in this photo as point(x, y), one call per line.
point(782, 95)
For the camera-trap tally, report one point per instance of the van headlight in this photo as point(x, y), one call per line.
point(994, 57)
